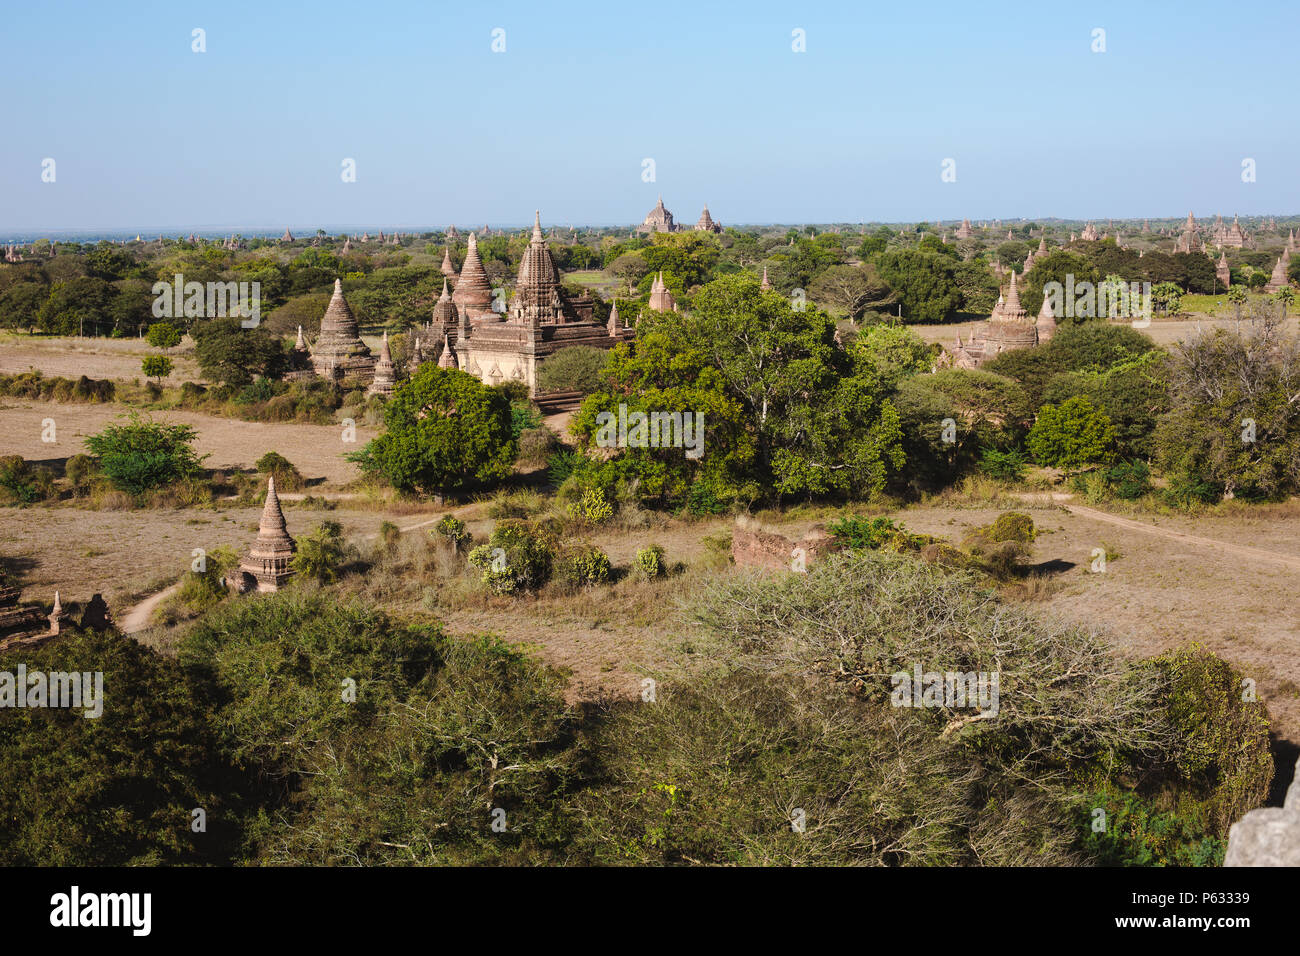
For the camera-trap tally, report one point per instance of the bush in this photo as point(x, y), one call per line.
point(1129, 480)
point(1071, 435)
point(650, 562)
point(581, 565)
point(1004, 466)
point(287, 477)
point(536, 446)
point(321, 554)
point(576, 368)
point(1012, 526)
point(517, 557)
point(163, 335)
point(593, 507)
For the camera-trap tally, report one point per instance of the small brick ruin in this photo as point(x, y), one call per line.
point(752, 547)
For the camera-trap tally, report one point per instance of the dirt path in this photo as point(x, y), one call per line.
point(137, 619)
point(1240, 550)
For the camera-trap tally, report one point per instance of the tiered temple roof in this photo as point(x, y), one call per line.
point(541, 319)
point(448, 269)
point(964, 231)
point(473, 291)
point(1190, 240)
point(1221, 270)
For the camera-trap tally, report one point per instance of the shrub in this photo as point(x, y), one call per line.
point(1071, 434)
point(650, 562)
point(518, 556)
point(201, 590)
point(537, 445)
point(286, 475)
point(581, 565)
point(79, 470)
point(561, 465)
point(1129, 480)
point(1003, 466)
point(321, 554)
point(1012, 526)
point(575, 368)
point(593, 507)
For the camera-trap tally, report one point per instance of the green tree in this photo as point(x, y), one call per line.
point(229, 353)
point(575, 368)
point(1071, 435)
point(143, 454)
point(924, 284)
point(445, 431)
point(163, 335)
point(1237, 296)
point(157, 367)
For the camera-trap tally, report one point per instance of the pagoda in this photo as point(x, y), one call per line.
point(385, 379)
point(1221, 270)
point(657, 219)
point(661, 300)
point(448, 270)
point(542, 319)
point(1279, 278)
point(964, 231)
point(706, 223)
point(473, 293)
point(339, 353)
point(765, 285)
point(267, 566)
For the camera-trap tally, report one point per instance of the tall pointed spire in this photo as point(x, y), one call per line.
point(765, 285)
point(448, 358)
point(473, 291)
point(269, 560)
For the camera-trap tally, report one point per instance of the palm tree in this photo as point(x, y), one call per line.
point(1237, 296)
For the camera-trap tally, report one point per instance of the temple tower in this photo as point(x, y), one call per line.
point(268, 561)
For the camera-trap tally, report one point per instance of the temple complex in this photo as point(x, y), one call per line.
point(657, 219)
point(1008, 328)
point(542, 318)
point(1233, 235)
point(338, 352)
point(1089, 233)
point(1190, 240)
point(267, 567)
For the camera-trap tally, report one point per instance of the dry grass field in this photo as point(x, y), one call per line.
point(1156, 592)
point(317, 450)
point(94, 358)
point(1164, 332)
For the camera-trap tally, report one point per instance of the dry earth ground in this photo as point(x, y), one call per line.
point(1161, 592)
point(94, 358)
point(1164, 333)
point(317, 450)
point(1158, 593)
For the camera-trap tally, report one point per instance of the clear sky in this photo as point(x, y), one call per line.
point(148, 135)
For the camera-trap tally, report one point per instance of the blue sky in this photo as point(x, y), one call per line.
point(149, 135)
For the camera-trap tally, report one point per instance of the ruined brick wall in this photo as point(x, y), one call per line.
point(752, 547)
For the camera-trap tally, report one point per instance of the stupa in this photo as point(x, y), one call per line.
point(385, 379)
point(661, 300)
point(1221, 271)
point(448, 270)
point(706, 223)
point(339, 353)
point(1279, 278)
point(765, 285)
point(473, 293)
point(267, 567)
point(657, 219)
